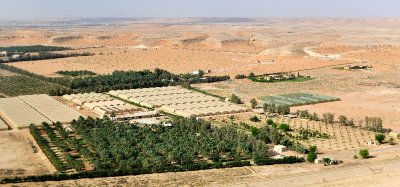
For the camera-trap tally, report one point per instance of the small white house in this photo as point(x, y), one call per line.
point(3, 53)
point(280, 148)
point(15, 56)
point(196, 72)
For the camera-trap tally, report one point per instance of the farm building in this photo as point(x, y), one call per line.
point(19, 114)
point(111, 106)
point(80, 99)
point(101, 104)
point(138, 115)
point(51, 108)
point(179, 101)
point(280, 148)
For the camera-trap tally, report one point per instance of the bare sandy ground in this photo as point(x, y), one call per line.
point(223, 48)
point(378, 171)
point(17, 157)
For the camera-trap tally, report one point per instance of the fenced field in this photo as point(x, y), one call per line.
point(328, 137)
point(297, 99)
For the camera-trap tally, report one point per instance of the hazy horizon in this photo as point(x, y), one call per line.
point(50, 9)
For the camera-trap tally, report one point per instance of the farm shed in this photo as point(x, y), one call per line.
point(138, 115)
point(52, 109)
point(19, 114)
point(180, 101)
point(280, 148)
point(80, 99)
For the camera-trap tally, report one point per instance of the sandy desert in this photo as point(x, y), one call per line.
point(312, 47)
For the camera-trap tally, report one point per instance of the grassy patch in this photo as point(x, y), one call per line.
point(297, 99)
point(23, 85)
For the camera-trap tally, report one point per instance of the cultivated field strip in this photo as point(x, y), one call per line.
point(179, 101)
point(3, 125)
point(19, 114)
point(297, 99)
point(52, 109)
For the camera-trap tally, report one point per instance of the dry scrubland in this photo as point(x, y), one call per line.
point(312, 47)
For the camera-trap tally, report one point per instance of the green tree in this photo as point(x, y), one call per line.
point(380, 138)
point(253, 103)
point(364, 153)
point(312, 154)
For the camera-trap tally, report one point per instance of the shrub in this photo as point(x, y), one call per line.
point(343, 120)
point(311, 156)
point(240, 76)
point(327, 160)
point(253, 103)
point(364, 153)
point(235, 99)
point(391, 141)
point(379, 137)
point(270, 122)
point(285, 127)
point(254, 119)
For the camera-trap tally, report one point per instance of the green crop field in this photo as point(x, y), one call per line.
point(22, 85)
point(297, 99)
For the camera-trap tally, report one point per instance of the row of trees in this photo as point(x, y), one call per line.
point(46, 148)
point(77, 73)
point(116, 80)
point(33, 48)
point(370, 123)
point(44, 56)
point(70, 160)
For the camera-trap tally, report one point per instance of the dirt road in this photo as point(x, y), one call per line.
point(379, 174)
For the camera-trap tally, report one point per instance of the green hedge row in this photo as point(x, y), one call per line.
point(134, 171)
point(284, 160)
